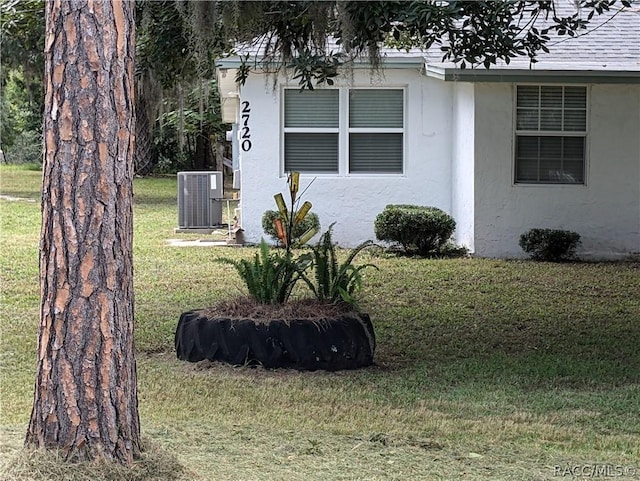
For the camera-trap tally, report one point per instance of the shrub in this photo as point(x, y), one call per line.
point(414, 227)
point(550, 244)
point(311, 220)
point(452, 251)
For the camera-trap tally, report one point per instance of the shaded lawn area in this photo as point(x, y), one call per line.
point(485, 369)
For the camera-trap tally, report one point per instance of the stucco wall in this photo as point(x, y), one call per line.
point(462, 166)
point(605, 211)
point(352, 201)
point(459, 157)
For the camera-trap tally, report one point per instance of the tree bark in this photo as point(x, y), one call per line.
point(202, 158)
point(85, 401)
point(143, 163)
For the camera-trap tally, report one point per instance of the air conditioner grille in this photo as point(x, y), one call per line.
point(199, 199)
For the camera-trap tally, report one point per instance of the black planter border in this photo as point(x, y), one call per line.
point(344, 342)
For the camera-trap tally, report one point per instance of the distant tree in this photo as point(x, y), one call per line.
point(21, 117)
point(21, 71)
point(85, 400)
point(179, 124)
point(162, 55)
point(178, 113)
point(22, 30)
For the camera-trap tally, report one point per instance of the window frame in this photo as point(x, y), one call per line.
point(344, 132)
point(584, 134)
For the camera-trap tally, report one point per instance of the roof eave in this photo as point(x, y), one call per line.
point(387, 62)
point(452, 74)
point(496, 74)
point(229, 62)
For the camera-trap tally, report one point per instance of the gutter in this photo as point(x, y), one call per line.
point(615, 75)
point(453, 74)
point(389, 62)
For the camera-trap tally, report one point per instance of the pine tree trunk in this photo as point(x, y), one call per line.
point(85, 400)
point(143, 163)
point(202, 156)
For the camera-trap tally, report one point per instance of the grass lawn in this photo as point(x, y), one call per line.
point(485, 369)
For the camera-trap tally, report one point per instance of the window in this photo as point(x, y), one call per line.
point(344, 130)
point(551, 129)
point(376, 121)
point(311, 123)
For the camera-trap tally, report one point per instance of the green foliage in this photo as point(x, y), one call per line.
point(22, 26)
point(293, 34)
point(21, 117)
point(270, 277)
point(22, 102)
point(420, 228)
point(451, 251)
point(21, 73)
point(179, 122)
point(161, 43)
point(332, 281)
point(26, 148)
point(187, 126)
point(551, 245)
point(310, 221)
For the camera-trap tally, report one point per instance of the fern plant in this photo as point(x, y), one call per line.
point(333, 282)
point(269, 277)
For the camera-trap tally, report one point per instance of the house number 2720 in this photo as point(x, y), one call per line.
point(245, 131)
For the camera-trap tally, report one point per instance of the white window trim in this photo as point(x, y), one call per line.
point(343, 130)
point(549, 133)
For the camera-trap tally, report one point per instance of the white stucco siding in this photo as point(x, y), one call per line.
point(613, 174)
point(605, 211)
point(462, 164)
point(352, 201)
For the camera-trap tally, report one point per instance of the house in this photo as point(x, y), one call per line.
point(554, 144)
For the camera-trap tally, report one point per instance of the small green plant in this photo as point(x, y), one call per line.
point(309, 223)
point(332, 281)
point(269, 276)
point(416, 228)
point(551, 245)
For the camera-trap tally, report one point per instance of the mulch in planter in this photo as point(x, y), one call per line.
point(344, 340)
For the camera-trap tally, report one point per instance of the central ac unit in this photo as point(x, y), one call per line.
point(199, 200)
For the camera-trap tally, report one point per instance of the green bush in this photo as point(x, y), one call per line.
point(420, 228)
point(550, 244)
point(310, 220)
